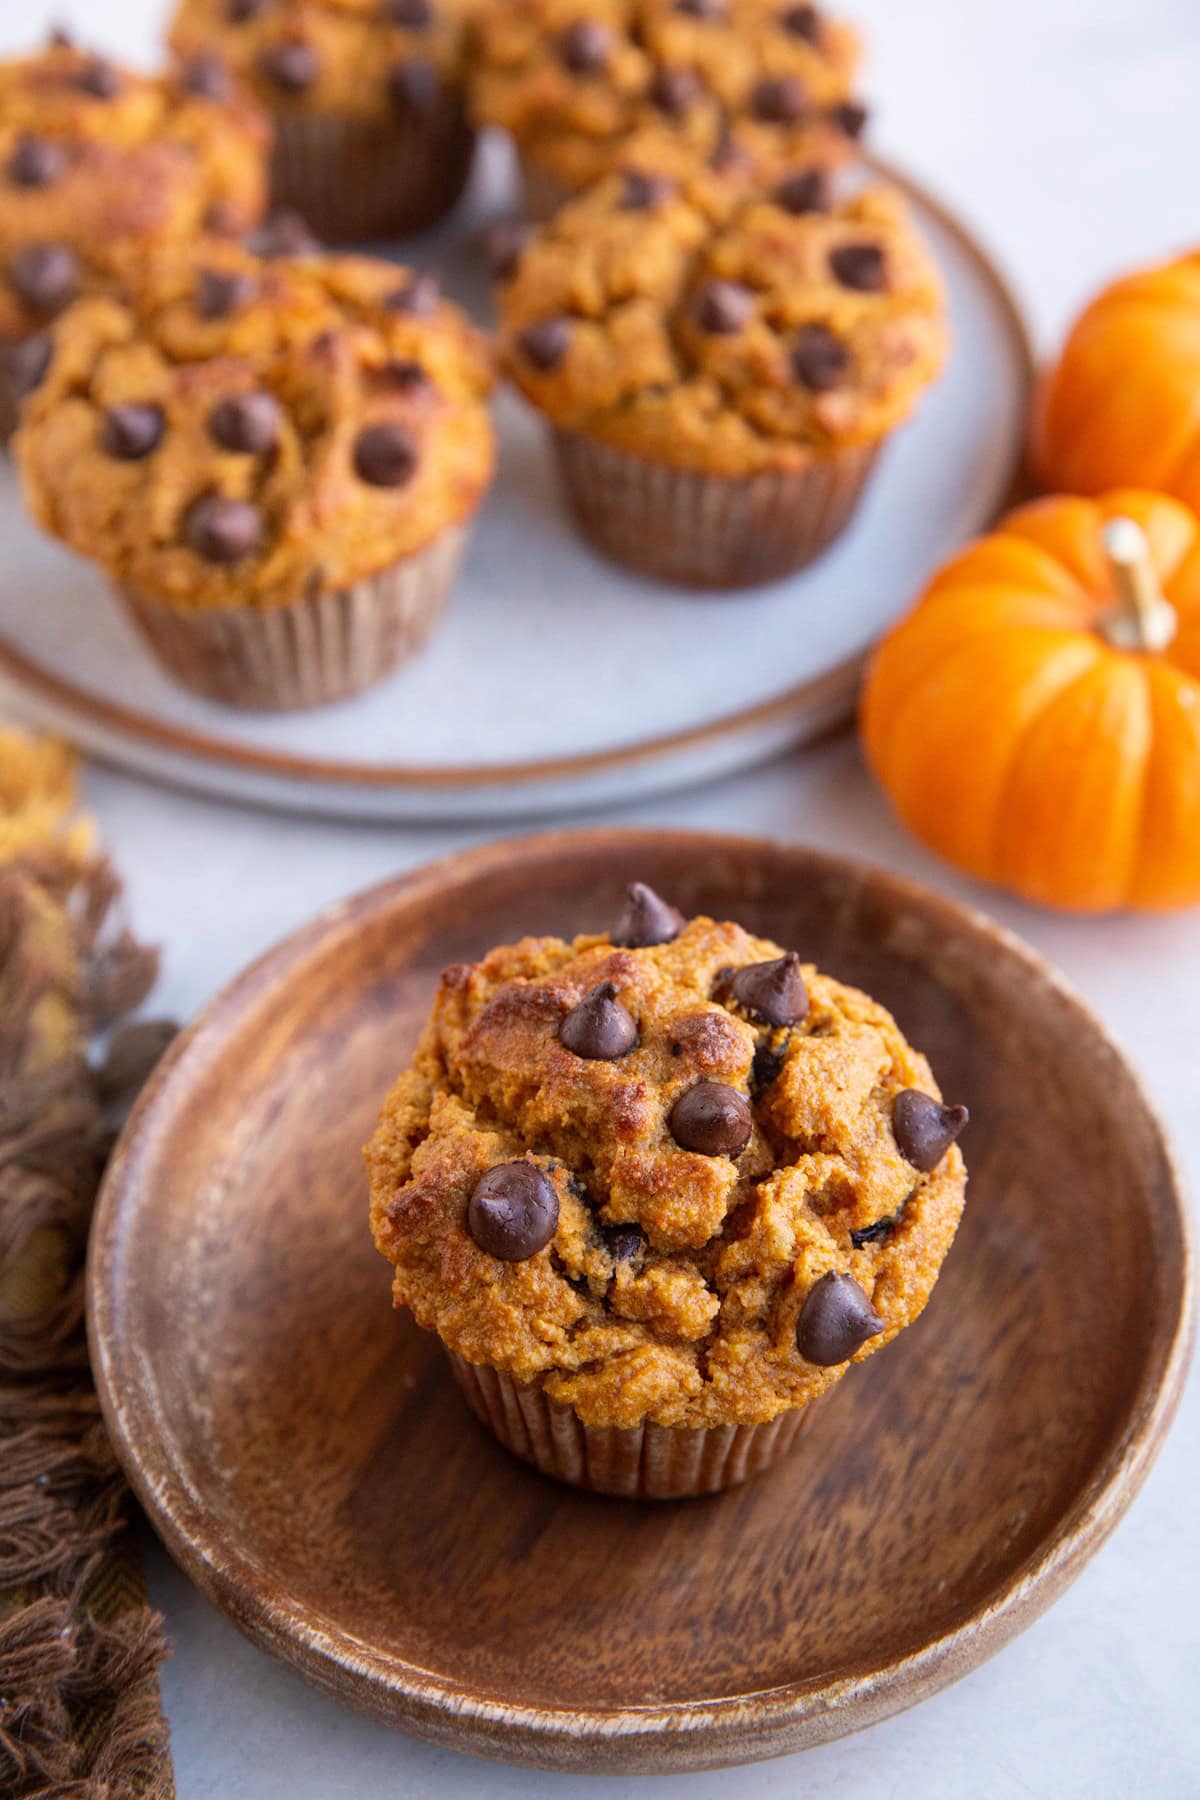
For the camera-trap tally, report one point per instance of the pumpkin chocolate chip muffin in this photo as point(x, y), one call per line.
point(372, 137)
point(275, 461)
point(720, 370)
point(655, 1190)
point(97, 164)
point(757, 82)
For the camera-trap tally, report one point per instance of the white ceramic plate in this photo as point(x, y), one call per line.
point(557, 680)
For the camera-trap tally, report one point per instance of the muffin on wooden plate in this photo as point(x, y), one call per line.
point(756, 82)
point(97, 163)
point(655, 1190)
point(372, 139)
point(275, 461)
point(720, 370)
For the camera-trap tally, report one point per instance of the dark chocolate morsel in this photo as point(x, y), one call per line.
point(871, 1234)
point(727, 152)
point(240, 12)
point(99, 79)
point(850, 117)
point(835, 1321)
point(674, 90)
point(646, 920)
point(403, 375)
point(206, 76)
point(772, 991)
point(711, 1118)
point(765, 1068)
point(246, 424)
point(35, 162)
point(625, 1243)
point(641, 192)
point(505, 244)
point(129, 433)
point(860, 266)
point(586, 46)
point(27, 362)
point(513, 1212)
point(420, 297)
point(925, 1129)
point(802, 22)
point(59, 38)
point(807, 191)
point(220, 291)
point(780, 99)
point(414, 15)
point(223, 531)
point(599, 1029)
point(223, 219)
point(819, 359)
point(385, 455)
point(545, 342)
point(414, 85)
point(702, 9)
point(291, 67)
point(286, 234)
point(723, 307)
point(44, 276)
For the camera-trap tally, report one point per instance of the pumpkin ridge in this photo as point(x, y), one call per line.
point(1167, 868)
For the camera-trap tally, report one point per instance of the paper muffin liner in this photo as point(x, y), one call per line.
point(353, 180)
point(707, 530)
point(309, 653)
point(647, 1462)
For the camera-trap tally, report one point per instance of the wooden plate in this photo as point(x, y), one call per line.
point(305, 1455)
point(587, 657)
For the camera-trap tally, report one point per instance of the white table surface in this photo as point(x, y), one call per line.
point(1069, 131)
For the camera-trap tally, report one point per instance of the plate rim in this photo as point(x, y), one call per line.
point(679, 1735)
point(833, 687)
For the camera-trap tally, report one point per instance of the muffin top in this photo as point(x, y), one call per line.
point(670, 1173)
point(355, 58)
point(245, 431)
point(755, 80)
point(95, 160)
point(697, 325)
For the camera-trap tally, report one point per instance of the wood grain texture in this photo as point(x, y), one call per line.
point(304, 1452)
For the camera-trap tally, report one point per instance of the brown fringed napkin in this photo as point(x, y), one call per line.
point(80, 1711)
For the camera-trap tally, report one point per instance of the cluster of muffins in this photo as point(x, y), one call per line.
point(655, 1190)
point(275, 451)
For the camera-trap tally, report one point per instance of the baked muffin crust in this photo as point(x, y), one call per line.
point(707, 1175)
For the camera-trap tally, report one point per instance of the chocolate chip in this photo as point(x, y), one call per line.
point(646, 920)
point(27, 362)
point(772, 991)
point(504, 244)
point(723, 307)
point(674, 90)
point(870, 1234)
point(849, 117)
point(130, 432)
point(247, 424)
point(513, 1212)
point(59, 38)
point(35, 163)
point(860, 266)
point(586, 46)
point(819, 359)
point(385, 456)
point(414, 85)
point(702, 9)
point(545, 342)
point(240, 12)
point(404, 374)
point(803, 22)
point(99, 79)
point(624, 1243)
point(925, 1129)
point(835, 1321)
point(220, 291)
point(45, 276)
point(290, 67)
point(765, 1068)
point(286, 234)
point(223, 531)
point(206, 76)
point(223, 219)
point(599, 1029)
point(641, 192)
point(807, 191)
point(779, 100)
point(713, 1119)
point(727, 153)
point(419, 297)
point(414, 15)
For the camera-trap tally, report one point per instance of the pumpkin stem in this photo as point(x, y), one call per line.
point(1144, 620)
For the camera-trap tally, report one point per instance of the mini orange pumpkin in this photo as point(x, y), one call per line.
point(1120, 408)
point(1036, 717)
